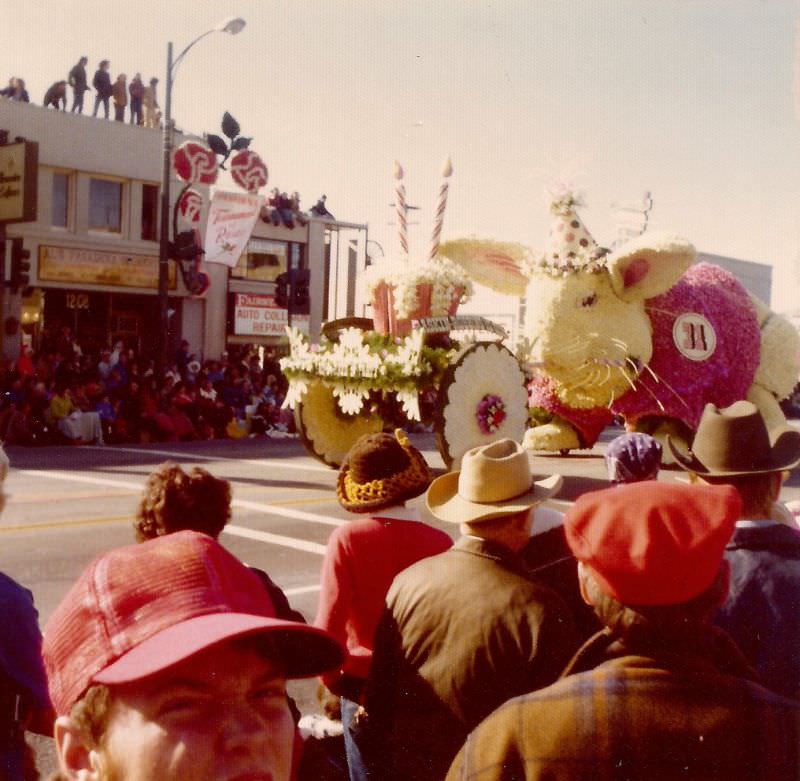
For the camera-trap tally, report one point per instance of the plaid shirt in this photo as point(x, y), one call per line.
point(663, 715)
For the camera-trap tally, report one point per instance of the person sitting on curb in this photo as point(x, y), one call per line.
point(659, 693)
point(379, 474)
point(166, 662)
point(733, 447)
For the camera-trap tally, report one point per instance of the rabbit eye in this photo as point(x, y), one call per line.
point(589, 300)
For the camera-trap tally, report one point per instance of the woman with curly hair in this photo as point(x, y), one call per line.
point(175, 500)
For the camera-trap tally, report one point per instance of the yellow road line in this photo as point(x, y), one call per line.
point(66, 524)
point(310, 500)
point(17, 498)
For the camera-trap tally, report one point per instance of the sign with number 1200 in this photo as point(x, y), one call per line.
point(77, 300)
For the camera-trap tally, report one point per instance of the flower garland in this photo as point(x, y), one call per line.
point(490, 413)
point(591, 260)
point(447, 279)
point(360, 362)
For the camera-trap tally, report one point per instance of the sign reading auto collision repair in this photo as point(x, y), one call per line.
point(258, 315)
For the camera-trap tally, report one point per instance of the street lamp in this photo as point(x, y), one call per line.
point(233, 26)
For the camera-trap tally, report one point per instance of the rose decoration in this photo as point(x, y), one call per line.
point(249, 171)
point(194, 162)
point(190, 205)
point(490, 413)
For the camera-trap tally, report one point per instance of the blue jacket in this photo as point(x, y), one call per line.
point(762, 612)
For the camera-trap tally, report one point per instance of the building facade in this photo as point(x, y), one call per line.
point(94, 248)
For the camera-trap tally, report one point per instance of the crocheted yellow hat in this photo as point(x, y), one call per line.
point(379, 471)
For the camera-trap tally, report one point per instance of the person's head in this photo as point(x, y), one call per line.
point(104, 65)
point(633, 457)
point(84, 60)
point(732, 446)
point(493, 493)
point(121, 77)
point(153, 81)
point(381, 471)
point(174, 500)
point(137, 77)
point(165, 661)
point(651, 554)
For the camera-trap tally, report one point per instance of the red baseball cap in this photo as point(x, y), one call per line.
point(140, 609)
point(653, 543)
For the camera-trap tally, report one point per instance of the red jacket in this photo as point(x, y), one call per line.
point(360, 564)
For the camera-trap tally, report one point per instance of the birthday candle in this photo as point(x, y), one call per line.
point(402, 209)
point(447, 171)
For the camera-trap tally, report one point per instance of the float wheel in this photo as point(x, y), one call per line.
point(326, 431)
point(468, 415)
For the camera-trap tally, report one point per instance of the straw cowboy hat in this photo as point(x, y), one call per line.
point(735, 441)
point(494, 480)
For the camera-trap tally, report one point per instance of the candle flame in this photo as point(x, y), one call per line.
point(398, 170)
point(447, 168)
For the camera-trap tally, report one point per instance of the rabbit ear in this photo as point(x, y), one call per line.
point(498, 265)
point(649, 265)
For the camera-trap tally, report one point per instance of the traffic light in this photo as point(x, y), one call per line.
point(301, 278)
point(282, 290)
point(20, 265)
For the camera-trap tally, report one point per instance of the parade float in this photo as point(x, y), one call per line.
point(641, 332)
point(415, 361)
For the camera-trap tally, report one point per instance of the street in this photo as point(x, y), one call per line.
point(68, 504)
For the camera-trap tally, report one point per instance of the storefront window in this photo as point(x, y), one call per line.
point(105, 205)
point(60, 202)
point(149, 211)
point(262, 260)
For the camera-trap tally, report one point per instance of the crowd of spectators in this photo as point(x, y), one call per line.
point(141, 99)
point(44, 394)
point(454, 655)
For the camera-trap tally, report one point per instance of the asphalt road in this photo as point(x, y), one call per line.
point(66, 505)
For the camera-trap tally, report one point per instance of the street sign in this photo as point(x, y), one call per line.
point(19, 164)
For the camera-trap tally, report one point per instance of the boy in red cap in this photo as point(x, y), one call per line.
point(659, 694)
point(166, 663)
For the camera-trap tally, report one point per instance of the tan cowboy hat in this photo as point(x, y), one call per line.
point(735, 441)
point(494, 480)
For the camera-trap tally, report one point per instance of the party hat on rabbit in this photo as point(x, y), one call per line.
point(570, 247)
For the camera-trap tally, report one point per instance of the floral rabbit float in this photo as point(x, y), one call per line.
point(639, 332)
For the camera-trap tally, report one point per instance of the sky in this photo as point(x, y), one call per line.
point(691, 100)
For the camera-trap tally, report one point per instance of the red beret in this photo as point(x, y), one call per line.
point(653, 543)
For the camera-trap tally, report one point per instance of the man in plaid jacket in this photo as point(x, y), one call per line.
point(659, 694)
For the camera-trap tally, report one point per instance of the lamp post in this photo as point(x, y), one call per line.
point(232, 26)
